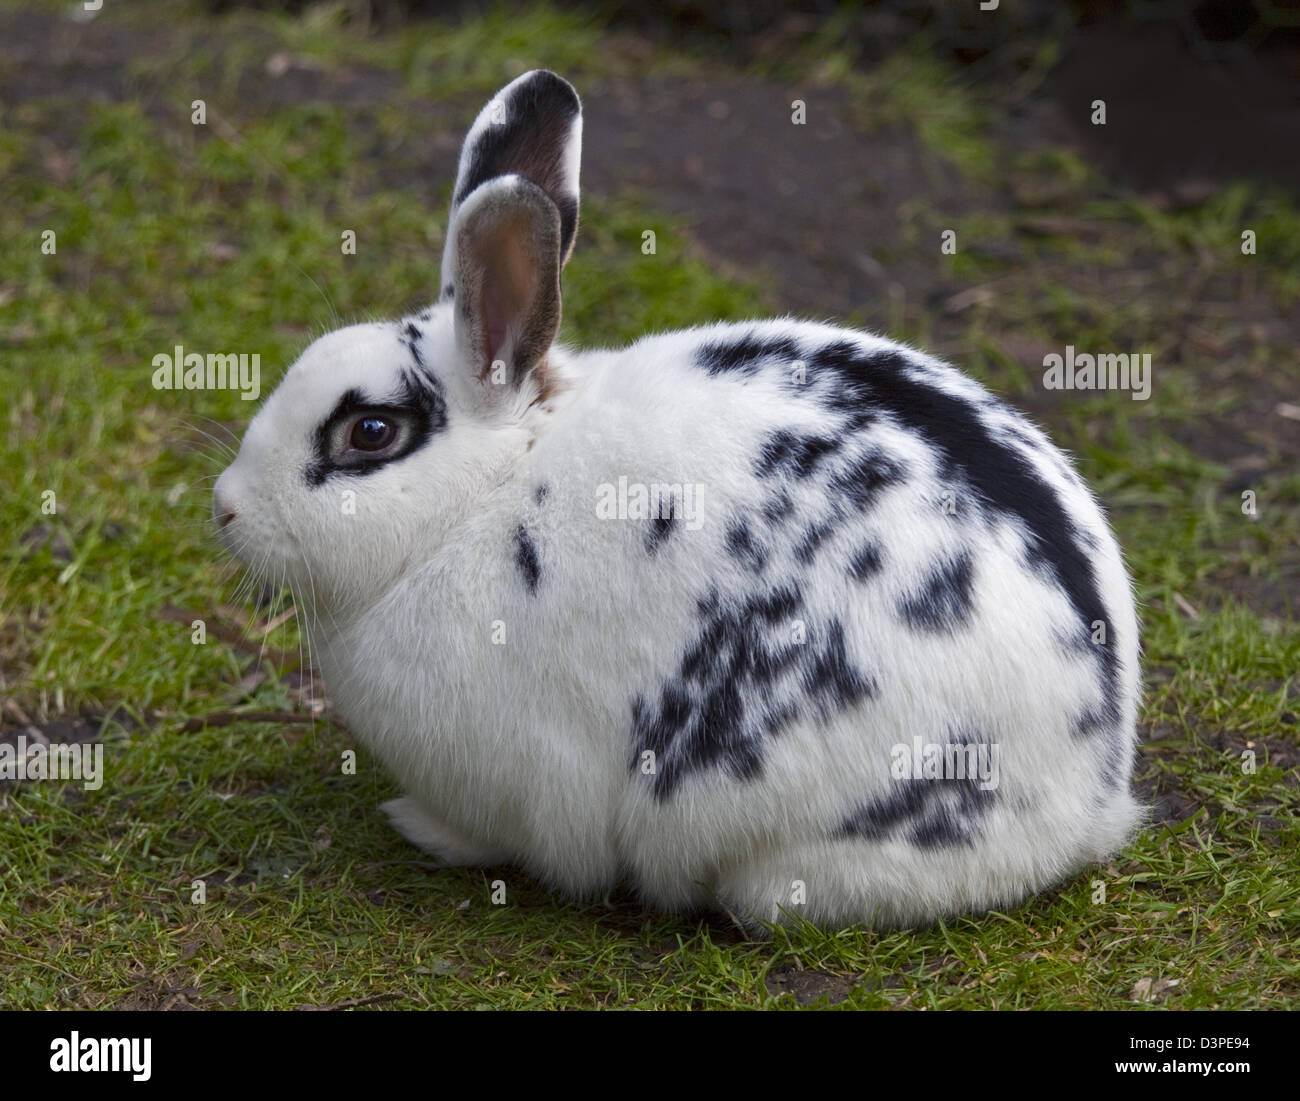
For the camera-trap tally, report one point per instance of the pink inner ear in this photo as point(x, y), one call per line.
point(496, 311)
point(509, 284)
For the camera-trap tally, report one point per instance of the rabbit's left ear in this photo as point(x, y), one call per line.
point(531, 128)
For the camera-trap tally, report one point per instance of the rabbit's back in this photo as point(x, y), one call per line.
point(872, 627)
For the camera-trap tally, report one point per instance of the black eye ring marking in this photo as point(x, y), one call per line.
point(363, 434)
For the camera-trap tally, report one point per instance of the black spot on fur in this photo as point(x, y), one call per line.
point(1091, 723)
point(411, 336)
point(862, 384)
point(526, 559)
point(776, 605)
point(814, 536)
point(661, 527)
point(876, 820)
point(787, 452)
point(828, 676)
point(928, 813)
point(541, 492)
point(742, 680)
point(531, 142)
point(744, 355)
point(744, 548)
point(954, 818)
point(449, 291)
point(865, 476)
point(866, 562)
point(778, 508)
point(943, 602)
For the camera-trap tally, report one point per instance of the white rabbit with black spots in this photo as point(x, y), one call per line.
point(776, 618)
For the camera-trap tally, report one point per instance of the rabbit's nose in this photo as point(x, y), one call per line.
point(222, 513)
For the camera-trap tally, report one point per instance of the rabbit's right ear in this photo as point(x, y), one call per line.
point(531, 128)
point(505, 273)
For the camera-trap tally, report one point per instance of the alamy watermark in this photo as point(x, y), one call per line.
point(128, 1055)
point(56, 761)
point(680, 501)
point(979, 761)
point(1105, 371)
point(216, 371)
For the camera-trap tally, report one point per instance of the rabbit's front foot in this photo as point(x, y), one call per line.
point(419, 827)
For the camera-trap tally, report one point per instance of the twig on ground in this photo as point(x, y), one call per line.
point(349, 1004)
point(282, 659)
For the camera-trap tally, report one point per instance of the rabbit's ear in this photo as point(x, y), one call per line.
point(505, 263)
point(531, 128)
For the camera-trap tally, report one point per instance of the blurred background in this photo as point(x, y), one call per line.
point(1210, 86)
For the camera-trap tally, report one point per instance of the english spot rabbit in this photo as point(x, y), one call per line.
point(774, 617)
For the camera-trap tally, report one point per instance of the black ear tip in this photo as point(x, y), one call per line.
point(544, 85)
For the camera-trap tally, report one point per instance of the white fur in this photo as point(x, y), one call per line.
point(522, 752)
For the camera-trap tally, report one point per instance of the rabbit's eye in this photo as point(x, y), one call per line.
point(364, 434)
point(371, 433)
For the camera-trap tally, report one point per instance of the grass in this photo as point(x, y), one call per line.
point(228, 238)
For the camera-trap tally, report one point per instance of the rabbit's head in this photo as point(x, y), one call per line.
point(381, 436)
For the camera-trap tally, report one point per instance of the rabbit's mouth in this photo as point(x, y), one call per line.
point(266, 558)
point(243, 537)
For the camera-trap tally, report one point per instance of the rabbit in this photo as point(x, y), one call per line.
point(773, 619)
